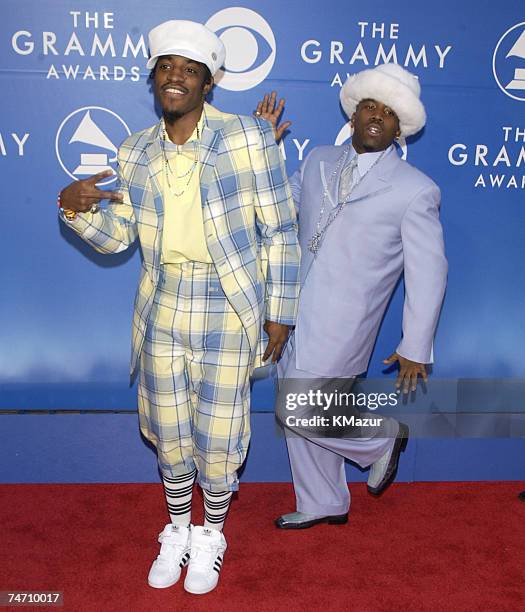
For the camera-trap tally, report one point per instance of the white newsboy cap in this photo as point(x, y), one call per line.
point(393, 86)
point(189, 39)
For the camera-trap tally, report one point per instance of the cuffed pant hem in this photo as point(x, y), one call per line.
point(215, 486)
point(323, 509)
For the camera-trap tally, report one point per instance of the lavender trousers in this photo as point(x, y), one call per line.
point(318, 463)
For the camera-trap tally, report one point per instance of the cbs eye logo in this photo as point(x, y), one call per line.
point(248, 39)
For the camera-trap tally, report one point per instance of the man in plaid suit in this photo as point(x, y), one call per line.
point(206, 195)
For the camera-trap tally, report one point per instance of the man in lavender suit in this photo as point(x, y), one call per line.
point(365, 217)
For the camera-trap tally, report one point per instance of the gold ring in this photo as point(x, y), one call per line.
point(69, 214)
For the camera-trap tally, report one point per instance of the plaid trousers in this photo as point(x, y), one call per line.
point(194, 379)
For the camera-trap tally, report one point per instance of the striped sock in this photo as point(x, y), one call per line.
point(178, 490)
point(216, 507)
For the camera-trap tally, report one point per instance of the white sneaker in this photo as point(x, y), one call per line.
point(174, 555)
point(207, 551)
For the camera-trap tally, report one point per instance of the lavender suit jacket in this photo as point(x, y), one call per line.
point(390, 226)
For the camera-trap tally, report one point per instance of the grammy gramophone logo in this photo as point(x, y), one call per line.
point(508, 62)
point(87, 142)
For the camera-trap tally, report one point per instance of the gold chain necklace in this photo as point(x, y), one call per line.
point(167, 165)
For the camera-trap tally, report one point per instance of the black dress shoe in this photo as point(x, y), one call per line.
point(384, 470)
point(298, 520)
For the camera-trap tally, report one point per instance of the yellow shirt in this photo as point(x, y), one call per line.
point(183, 235)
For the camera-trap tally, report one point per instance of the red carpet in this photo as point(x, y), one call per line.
point(444, 546)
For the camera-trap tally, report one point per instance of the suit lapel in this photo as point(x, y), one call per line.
point(211, 133)
point(377, 180)
point(330, 182)
point(155, 167)
point(326, 177)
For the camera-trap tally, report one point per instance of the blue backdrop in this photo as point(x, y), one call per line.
point(74, 84)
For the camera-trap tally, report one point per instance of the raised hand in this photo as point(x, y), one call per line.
point(81, 196)
point(267, 109)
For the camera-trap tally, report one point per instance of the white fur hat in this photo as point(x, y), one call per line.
point(189, 39)
point(391, 85)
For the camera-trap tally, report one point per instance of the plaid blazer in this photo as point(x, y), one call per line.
point(249, 221)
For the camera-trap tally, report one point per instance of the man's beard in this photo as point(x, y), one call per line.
point(171, 116)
